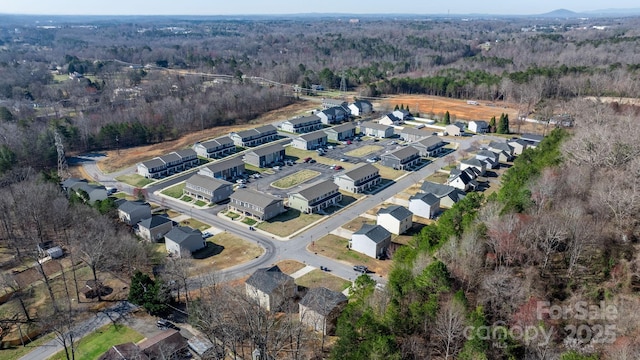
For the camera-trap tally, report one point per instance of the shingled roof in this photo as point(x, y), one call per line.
point(317, 189)
point(396, 211)
point(268, 279)
point(374, 232)
point(323, 300)
point(253, 197)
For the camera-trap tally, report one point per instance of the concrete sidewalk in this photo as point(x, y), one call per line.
point(305, 270)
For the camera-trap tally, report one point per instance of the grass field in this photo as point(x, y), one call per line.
point(96, 343)
point(175, 191)
point(438, 177)
point(290, 266)
point(224, 250)
point(134, 180)
point(335, 247)
point(288, 223)
point(294, 179)
point(363, 150)
point(389, 173)
point(195, 224)
point(356, 224)
point(318, 278)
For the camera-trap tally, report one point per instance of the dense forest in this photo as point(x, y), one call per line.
point(561, 231)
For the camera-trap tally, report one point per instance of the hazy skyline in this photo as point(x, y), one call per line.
point(274, 7)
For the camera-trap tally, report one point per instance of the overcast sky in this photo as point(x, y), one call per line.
point(251, 7)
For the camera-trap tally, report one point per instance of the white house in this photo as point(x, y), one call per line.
point(447, 194)
point(478, 126)
point(361, 107)
point(390, 120)
point(182, 241)
point(320, 309)
point(154, 228)
point(424, 205)
point(474, 163)
point(371, 240)
point(396, 219)
point(456, 129)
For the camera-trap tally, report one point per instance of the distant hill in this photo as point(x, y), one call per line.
point(561, 13)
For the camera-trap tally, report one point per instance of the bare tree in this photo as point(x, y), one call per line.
point(448, 329)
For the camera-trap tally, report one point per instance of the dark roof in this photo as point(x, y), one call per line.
point(213, 143)
point(267, 150)
point(71, 181)
point(207, 182)
point(482, 123)
point(487, 153)
point(125, 351)
point(268, 279)
point(253, 197)
point(403, 152)
point(130, 206)
point(313, 136)
point(532, 137)
point(459, 125)
point(225, 164)
point(186, 152)
point(154, 221)
point(342, 127)
point(153, 163)
point(427, 198)
point(317, 189)
point(168, 341)
point(375, 126)
point(519, 141)
point(464, 176)
point(257, 131)
point(303, 119)
point(472, 162)
point(413, 131)
point(391, 117)
point(397, 211)
point(266, 128)
point(439, 190)
point(429, 141)
point(360, 172)
point(180, 233)
point(374, 232)
point(323, 300)
point(503, 146)
point(171, 157)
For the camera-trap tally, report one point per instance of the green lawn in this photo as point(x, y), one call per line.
point(96, 343)
point(134, 180)
point(200, 203)
point(175, 191)
point(288, 223)
point(294, 179)
point(232, 215)
point(249, 221)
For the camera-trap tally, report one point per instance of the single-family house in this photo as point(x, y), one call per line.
point(371, 240)
point(474, 163)
point(265, 156)
point(182, 241)
point(447, 194)
point(68, 183)
point(270, 288)
point(410, 134)
point(329, 103)
point(425, 205)
point(303, 124)
point(215, 148)
point(401, 159)
point(369, 128)
point(152, 169)
point(462, 180)
point(491, 159)
point(259, 205)
point(341, 132)
point(455, 129)
point(395, 218)
point(518, 145)
point(478, 126)
point(503, 149)
point(359, 179)
point(390, 120)
point(124, 351)
point(226, 169)
point(332, 115)
point(402, 114)
point(154, 228)
point(361, 107)
point(93, 192)
point(310, 141)
point(315, 197)
point(320, 308)
point(202, 347)
point(211, 190)
point(430, 146)
point(533, 140)
point(254, 137)
point(132, 212)
point(167, 344)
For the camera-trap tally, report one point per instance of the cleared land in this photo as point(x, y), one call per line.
point(459, 109)
point(290, 266)
point(335, 247)
point(437, 177)
point(318, 278)
point(96, 343)
point(294, 179)
point(134, 180)
point(223, 251)
point(389, 173)
point(364, 150)
point(288, 223)
point(356, 224)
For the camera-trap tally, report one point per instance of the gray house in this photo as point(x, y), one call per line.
point(173, 162)
point(474, 163)
point(152, 169)
point(188, 157)
point(270, 288)
point(532, 140)
point(430, 146)
point(424, 205)
point(503, 149)
point(226, 169)
point(490, 158)
point(93, 192)
point(131, 212)
point(518, 146)
point(329, 103)
point(361, 107)
point(310, 141)
point(359, 179)
point(448, 195)
point(332, 115)
point(412, 134)
point(211, 190)
point(315, 197)
point(320, 309)
point(154, 228)
point(254, 137)
point(376, 130)
point(215, 148)
point(265, 156)
point(303, 124)
point(256, 204)
point(371, 240)
point(182, 241)
point(401, 159)
point(341, 132)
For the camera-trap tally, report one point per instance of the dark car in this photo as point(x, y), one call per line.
point(166, 324)
point(361, 269)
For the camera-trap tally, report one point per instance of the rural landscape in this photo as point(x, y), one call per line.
point(319, 187)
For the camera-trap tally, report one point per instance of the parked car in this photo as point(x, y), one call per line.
point(349, 142)
point(361, 269)
point(306, 160)
point(338, 168)
point(358, 139)
point(206, 234)
point(277, 167)
point(371, 160)
point(312, 161)
point(330, 147)
point(166, 324)
point(344, 159)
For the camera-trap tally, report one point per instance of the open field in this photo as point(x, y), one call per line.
point(318, 278)
point(194, 224)
point(437, 177)
point(459, 109)
point(175, 191)
point(294, 179)
point(290, 266)
point(96, 343)
point(356, 224)
point(389, 173)
point(223, 251)
point(335, 247)
point(288, 223)
point(363, 150)
point(131, 156)
point(134, 180)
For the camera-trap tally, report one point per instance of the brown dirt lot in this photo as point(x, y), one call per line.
point(425, 104)
point(128, 157)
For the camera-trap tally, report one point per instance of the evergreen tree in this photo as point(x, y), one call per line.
point(396, 108)
point(148, 293)
point(492, 124)
point(447, 118)
point(503, 124)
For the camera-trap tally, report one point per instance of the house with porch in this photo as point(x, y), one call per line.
point(310, 141)
point(410, 134)
point(332, 115)
point(474, 163)
point(401, 159)
point(265, 156)
point(478, 126)
point(155, 168)
point(456, 129)
point(503, 149)
point(315, 197)
point(173, 162)
point(255, 204)
point(206, 188)
point(254, 137)
point(216, 148)
point(359, 179)
point(227, 169)
point(341, 132)
point(303, 124)
point(371, 240)
point(188, 158)
point(430, 146)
